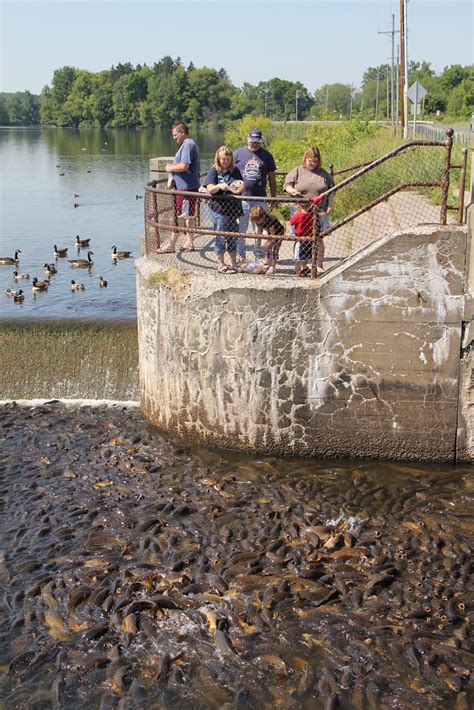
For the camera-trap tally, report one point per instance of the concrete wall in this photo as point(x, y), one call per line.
point(364, 364)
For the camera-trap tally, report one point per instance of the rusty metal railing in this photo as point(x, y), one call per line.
point(407, 186)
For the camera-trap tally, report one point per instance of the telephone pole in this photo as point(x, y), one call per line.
point(392, 32)
point(401, 80)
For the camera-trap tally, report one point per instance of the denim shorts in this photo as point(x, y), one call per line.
point(223, 223)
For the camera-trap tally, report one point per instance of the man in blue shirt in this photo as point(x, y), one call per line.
point(185, 171)
point(257, 165)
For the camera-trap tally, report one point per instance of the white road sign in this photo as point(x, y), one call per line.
point(416, 92)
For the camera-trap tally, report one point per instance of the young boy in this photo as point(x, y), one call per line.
point(268, 225)
point(302, 220)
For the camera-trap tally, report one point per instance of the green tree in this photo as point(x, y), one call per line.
point(102, 100)
point(4, 118)
point(23, 109)
point(126, 110)
point(333, 99)
point(63, 80)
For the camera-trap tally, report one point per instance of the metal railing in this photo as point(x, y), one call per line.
point(406, 187)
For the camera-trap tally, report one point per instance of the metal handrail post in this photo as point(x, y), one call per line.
point(462, 186)
point(445, 183)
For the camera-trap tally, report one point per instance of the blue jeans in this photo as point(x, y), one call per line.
point(223, 223)
point(243, 226)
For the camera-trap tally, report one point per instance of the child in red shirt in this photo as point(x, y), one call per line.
point(302, 220)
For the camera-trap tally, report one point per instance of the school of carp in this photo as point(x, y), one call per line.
point(136, 572)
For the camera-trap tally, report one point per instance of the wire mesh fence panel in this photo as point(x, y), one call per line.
point(400, 192)
point(286, 236)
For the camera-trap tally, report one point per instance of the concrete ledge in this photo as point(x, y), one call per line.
point(362, 363)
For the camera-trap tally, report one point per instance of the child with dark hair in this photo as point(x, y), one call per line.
point(269, 226)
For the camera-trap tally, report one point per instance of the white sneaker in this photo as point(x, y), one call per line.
point(271, 271)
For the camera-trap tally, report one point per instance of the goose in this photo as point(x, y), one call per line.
point(139, 197)
point(11, 259)
point(76, 287)
point(75, 195)
point(76, 204)
point(82, 263)
point(11, 292)
point(120, 254)
point(18, 276)
point(59, 252)
point(82, 242)
point(50, 269)
point(19, 296)
point(39, 285)
point(102, 282)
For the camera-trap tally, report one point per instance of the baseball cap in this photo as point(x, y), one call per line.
point(255, 136)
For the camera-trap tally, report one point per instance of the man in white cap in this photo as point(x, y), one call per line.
point(256, 165)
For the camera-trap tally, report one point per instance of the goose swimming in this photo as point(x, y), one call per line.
point(76, 287)
point(82, 263)
point(82, 242)
point(11, 259)
point(102, 282)
point(120, 254)
point(39, 285)
point(18, 276)
point(50, 269)
point(59, 252)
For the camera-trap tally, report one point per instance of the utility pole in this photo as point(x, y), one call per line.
point(265, 94)
point(377, 99)
point(405, 63)
point(391, 32)
point(397, 112)
point(403, 105)
point(296, 103)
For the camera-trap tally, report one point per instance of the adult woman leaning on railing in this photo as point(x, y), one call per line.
point(310, 180)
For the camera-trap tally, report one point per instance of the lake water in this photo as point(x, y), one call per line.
point(43, 171)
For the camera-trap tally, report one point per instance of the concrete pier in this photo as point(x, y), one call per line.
point(363, 362)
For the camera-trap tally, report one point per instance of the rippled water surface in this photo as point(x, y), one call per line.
point(43, 169)
point(136, 572)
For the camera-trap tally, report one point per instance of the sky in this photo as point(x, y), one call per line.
point(316, 42)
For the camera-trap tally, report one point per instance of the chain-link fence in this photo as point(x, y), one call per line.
point(285, 236)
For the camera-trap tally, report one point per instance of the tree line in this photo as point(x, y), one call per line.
point(126, 96)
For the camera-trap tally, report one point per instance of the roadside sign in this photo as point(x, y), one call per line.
point(416, 92)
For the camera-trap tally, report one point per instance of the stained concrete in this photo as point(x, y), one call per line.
point(364, 362)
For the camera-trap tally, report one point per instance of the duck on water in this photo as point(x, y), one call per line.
point(9, 260)
point(82, 263)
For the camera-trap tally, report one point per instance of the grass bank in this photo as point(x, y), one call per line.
point(71, 360)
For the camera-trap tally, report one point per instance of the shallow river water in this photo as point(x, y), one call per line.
point(139, 573)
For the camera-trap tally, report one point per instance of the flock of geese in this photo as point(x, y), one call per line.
point(37, 286)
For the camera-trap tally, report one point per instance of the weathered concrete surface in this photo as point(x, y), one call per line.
point(465, 434)
point(364, 363)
